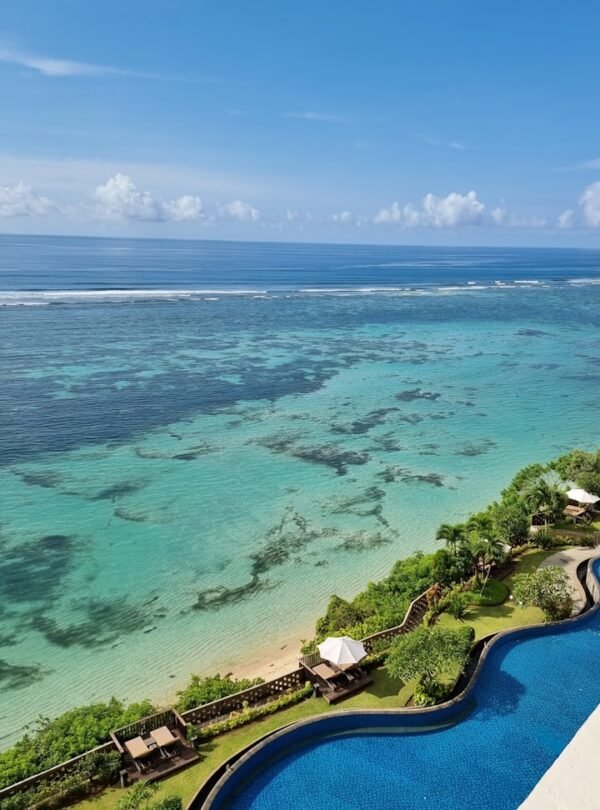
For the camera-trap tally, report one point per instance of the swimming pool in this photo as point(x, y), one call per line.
point(535, 689)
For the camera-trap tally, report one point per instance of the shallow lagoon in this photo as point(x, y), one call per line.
point(185, 480)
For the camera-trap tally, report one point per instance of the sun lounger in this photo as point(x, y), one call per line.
point(165, 740)
point(139, 752)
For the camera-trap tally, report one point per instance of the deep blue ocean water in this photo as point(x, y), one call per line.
point(201, 441)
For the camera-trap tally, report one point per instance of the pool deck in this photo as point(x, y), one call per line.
point(573, 781)
point(569, 560)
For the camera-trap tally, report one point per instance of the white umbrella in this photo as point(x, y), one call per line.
point(342, 651)
point(581, 496)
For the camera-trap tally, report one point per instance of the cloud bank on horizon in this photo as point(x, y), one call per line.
point(120, 200)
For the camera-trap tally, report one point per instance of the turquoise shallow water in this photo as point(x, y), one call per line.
point(186, 478)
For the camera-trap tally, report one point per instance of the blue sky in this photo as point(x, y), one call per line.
point(468, 122)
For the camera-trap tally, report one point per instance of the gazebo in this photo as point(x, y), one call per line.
point(580, 504)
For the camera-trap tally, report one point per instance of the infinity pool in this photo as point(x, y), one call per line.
point(534, 692)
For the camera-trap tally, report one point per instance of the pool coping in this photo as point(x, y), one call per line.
point(240, 758)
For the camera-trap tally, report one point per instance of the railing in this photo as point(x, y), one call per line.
point(255, 694)
point(412, 618)
point(414, 614)
point(57, 772)
point(143, 727)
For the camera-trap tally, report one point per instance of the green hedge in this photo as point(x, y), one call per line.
point(249, 714)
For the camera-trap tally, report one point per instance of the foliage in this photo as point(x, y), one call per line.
point(339, 614)
point(247, 715)
point(204, 690)
point(547, 499)
point(511, 519)
point(454, 535)
point(581, 467)
point(169, 803)
point(542, 539)
point(382, 604)
point(456, 605)
point(428, 654)
point(547, 588)
point(49, 795)
point(138, 796)
point(50, 742)
point(494, 592)
point(449, 568)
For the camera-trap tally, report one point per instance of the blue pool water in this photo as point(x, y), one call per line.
point(534, 693)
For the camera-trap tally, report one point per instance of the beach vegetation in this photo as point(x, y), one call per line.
point(201, 690)
point(548, 589)
point(50, 742)
point(432, 656)
point(581, 467)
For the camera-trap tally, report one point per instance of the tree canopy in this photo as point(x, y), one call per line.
point(547, 588)
point(428, 654)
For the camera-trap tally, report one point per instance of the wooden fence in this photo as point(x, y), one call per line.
point(143, 727)
point(56, 773)
point(412, 619)
point(211, 712)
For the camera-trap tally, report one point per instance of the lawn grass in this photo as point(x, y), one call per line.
point(385, 693)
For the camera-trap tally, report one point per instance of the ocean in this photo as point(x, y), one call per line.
point(201, 441)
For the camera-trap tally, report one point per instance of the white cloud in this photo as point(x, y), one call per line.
point(328, 118)
point(185, 209)
point(48, 66)
point(565, 220)
point(120, 199)
point(498, 216)
point(439, 212)
point(22, 201)
point(590, 203)
point(242, 211)
point(394, 215)
point(453, 210)
point(343, 217)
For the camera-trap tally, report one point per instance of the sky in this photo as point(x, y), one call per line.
point(436, 122)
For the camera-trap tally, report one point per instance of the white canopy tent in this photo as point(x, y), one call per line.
point(582, 497)
point(343, 651)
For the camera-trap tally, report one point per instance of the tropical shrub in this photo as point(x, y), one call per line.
point(581, 467)
point(547, 588)
point(168, 803)
point(456, 605)
point(248, 714)
point(50, 742)
point(204, 690)
point(429, 655)
point(542, 539)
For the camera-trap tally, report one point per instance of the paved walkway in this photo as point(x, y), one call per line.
point(573, 781)
point(569, 559)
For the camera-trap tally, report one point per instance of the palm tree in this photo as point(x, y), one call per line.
point(454, 535)
point(545, 498)
point(481, 524)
